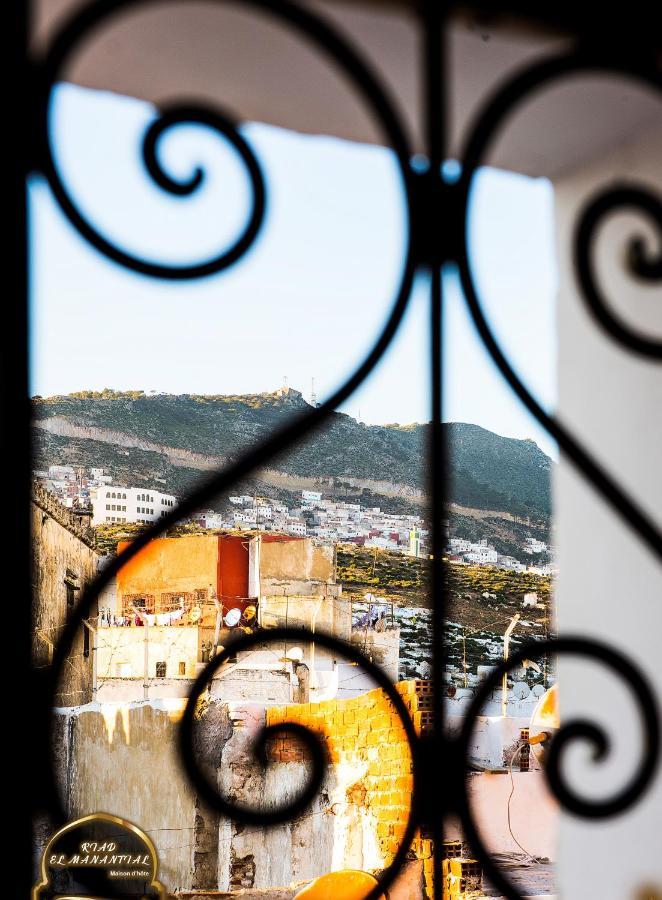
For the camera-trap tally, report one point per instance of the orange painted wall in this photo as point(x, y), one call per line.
point(184, 563)
point(193, 562)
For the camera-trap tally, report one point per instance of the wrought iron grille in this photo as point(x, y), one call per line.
point(437, 220)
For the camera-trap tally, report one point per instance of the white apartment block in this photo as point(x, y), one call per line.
point(112, 504)
point(460, 545)
point(297, 527)
point(548, 570)
point(211, 519)
point(509, 562)
point(535, 546)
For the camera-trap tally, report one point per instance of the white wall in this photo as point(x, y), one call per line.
point(130, 498)
point(610, 586)
point(120, 652)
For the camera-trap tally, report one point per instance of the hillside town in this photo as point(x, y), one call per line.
point(312, 515)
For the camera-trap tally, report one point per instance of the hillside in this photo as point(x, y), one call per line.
point(481, 603)
point(173, 439)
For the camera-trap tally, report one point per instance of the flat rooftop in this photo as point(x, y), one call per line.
point(531, 881)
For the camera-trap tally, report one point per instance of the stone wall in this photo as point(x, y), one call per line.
point(64, 563)
point(63, 515)
point(371, 769)
point(121, 758)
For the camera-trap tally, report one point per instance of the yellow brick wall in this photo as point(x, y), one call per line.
point(366, 730)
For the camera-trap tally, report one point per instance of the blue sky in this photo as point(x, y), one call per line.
point(308, 298)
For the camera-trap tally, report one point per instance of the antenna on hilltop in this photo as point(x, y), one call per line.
point(313, 395)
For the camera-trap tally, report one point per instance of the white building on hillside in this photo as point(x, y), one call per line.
point(483, 554)
point(112, 503)
point(296, 526)
point(535, 546)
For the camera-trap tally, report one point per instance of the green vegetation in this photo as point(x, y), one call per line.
point(392, 575)
point(505, 534)
point(109, 535)
point(481, 597)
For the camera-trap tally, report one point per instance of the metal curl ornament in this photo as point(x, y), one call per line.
point(488, 122)
point(306, 23)
point(349, 62)
point(618, 198)
point(208, 790)
point(170, 117)
point(51, 70)
point(569, 733)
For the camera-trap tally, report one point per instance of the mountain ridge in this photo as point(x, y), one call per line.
point(487, 470)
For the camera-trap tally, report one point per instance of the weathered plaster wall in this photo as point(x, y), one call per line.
point(360, 820)
point(264, 685)
point(534, 813)
point(121, 759)
point(121, 651)
point(382, 647)
point(125, 690)
point(259, 857)
point(330, 614)
point(188, 563)
point(357, 819)
point(61, 551)
point(300, 559)
point(360, 817)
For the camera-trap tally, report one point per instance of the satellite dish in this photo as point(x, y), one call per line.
point(538, 690)
point(232, 617)
point(249, 613)
point(195, 614)
point(521, 690)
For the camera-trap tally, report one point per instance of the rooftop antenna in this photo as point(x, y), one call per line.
point(313, 395)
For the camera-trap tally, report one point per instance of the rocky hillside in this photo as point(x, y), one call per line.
point(481, 603)
point(173, 438)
